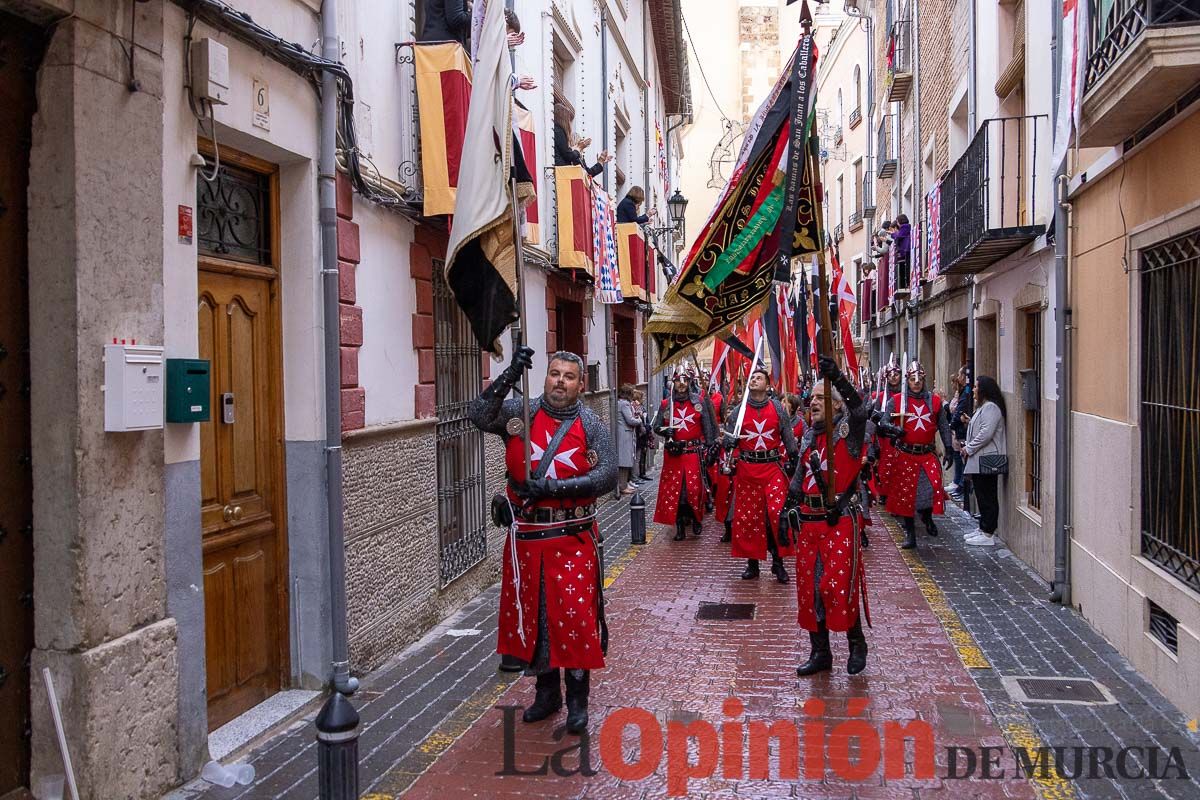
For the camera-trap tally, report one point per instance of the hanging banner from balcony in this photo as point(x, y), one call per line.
point(933, 230)
point(443, 98)
point(764, 215)
point(604, 235)
point(1074, 36)
point(576, 243)
point(631, 254)
point(523, 119)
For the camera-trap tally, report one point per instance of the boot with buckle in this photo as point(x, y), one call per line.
point(858, 649)
point(751, 571)
point(548, 699)
point(577, 700)
point(910, 534)
point(820, 657)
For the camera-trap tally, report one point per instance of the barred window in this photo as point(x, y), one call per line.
point(1033, 416)
point(1170, 406)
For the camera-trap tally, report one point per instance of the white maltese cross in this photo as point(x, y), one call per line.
point(762, 438)
point(563, 457)
point(921, 416)
point(682, 419)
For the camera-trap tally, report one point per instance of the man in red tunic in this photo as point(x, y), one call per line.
point(551, 603)
point(915, 476)
point(685, 421)
point(830, 576)
point(884, 451)
point(759, 481)
point(720, 480)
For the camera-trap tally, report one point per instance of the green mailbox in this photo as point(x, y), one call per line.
point(188, 390)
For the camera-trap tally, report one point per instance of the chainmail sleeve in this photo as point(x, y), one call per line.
point(858, 422)
point(708, 424)
point(601, 478)
point(490, 412)
point(660, 419)
point(786, 434)
point(944, 429)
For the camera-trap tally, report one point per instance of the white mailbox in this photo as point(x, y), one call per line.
point(133, 387)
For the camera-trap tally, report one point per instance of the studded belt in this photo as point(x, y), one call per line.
point(692, 447)
point(759, 456)
point(558, 514)
point(570, 529)
point(915, 449)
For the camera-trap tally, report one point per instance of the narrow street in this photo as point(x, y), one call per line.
point(950, 623)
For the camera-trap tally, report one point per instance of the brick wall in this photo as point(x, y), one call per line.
point(428, 244)
point(758, 34)
point(944, 32)
point(354, 397)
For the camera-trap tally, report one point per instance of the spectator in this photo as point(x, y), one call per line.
point(447, 20)
point(902, 244)
point(627, 430)
point(959, 409)
point(564, 153)
point(645, 438)
point(986, 454)
point(627, 209)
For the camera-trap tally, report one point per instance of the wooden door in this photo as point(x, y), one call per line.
point(19, 55)
point(244, 593)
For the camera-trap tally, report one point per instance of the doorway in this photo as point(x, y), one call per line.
point(20, 53)
point(243, 537)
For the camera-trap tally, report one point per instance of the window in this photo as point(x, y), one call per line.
point(568, 326)
point(1031, 389)
point(858, 182)
point(857, 88)
point(1170, 406)
point(462, 485)
point(233, 214)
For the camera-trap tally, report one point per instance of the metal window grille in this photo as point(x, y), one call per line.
point(1164, 627)
point(1170, 406)
point(1033, 417)
point(461, 477)
point(1111, 35)
point(234, 215)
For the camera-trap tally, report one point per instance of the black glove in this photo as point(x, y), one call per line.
point(522, 360)
point(832, 517)
point(728, 441)
point(828, 367)
point(666, 432)
point(534, 489)
point(888, 430)
point(674, 448)
point(948, 460)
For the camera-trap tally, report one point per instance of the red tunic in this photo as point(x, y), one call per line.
point(722, 484)
point(843, 576)
point(683, 470)
point(759, 489)
point(920, 430)
point(567, 566)
point(887, 450)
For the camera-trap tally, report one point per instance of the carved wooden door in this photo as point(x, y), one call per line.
point(244, 596)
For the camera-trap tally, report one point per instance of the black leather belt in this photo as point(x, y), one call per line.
point(557, 514)
point(570, 529)
point(806, 516)
point(915, 449)
point(692, 447)
point(759, 456)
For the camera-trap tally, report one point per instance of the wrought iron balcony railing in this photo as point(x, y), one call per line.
point(856, 220)
point(885, 149)
point(1111, 35)
point(868, 194)
point(838, 232)
point(899, 61)
point(989, 199)
point(855, 118)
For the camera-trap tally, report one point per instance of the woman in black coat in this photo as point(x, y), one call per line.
point(627, 209)
point(564, 154)
point(447, 20)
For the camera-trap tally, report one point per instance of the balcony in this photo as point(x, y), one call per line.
point(868, 196)
point(885, 151)
point(989, 199)
point(838, 232)
point(856, 220)
point(855, 118)
point(899, 60)
point(1143, 56)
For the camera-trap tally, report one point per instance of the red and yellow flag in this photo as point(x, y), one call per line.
point(631, 256)
point(576, 245)
point(523, 118)
point(443, 97)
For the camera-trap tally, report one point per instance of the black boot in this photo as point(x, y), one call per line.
point(778, 569)
point(863, 539)
point(548, 699)
point(820, 659)
point(680, 530)
point(577, 700)
point(751, 571)
point(696, 528)
point(858, 649)
point(511, 664)
point(910, 534)
point(728, 535)
point(927, 519)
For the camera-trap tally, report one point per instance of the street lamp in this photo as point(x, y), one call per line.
point(678, 208)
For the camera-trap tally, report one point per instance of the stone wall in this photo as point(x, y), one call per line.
point(392, 553)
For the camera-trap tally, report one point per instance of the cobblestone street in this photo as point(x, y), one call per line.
point(950, 624)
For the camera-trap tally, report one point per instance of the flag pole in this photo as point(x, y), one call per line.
point(518, 329)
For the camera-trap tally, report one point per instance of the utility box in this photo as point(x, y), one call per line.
point(133, 387)
point(1031, 392)
point(188, 390)
point(210, 71)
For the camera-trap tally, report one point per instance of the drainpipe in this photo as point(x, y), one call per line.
point(610, 344)
point(327, 190)
point(1061, 588)
point(646, 181)
point(918, 196)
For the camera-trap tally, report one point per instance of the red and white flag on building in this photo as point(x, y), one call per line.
point(1073, 43)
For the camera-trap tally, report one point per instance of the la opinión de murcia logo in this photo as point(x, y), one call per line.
point(854, 750)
